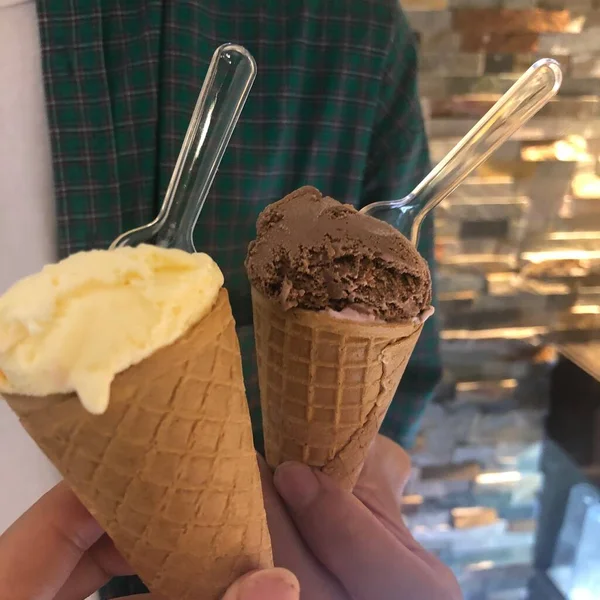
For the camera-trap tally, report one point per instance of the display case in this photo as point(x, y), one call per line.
point(575, 569)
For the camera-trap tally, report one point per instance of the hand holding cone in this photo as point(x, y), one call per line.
point(169, 470)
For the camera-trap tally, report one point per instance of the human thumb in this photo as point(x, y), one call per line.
point(268, 584)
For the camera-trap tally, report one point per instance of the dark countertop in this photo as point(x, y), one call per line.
point(585, 355)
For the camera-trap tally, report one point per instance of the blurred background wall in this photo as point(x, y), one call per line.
point(518, 248)
point(532, 210)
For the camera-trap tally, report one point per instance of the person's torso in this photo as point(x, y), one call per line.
point(122, 81)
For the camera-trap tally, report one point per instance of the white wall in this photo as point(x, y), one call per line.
point(25, 473)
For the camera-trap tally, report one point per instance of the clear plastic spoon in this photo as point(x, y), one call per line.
point(224, 92)
point(533, 90)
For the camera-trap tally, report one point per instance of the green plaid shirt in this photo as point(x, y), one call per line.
point(334, 105)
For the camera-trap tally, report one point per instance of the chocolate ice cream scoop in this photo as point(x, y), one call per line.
point(314, 253)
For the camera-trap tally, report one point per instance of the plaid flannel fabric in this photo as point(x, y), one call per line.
point(334, 105)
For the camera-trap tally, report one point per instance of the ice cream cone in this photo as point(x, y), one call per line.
point(169, 470)
point(326, 384)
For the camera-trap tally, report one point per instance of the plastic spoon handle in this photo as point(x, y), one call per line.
point(226, 87)
point(524, 99)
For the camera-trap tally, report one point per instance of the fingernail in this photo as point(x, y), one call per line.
point(297, 484)
point(278, 584)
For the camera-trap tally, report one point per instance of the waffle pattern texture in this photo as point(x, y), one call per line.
point(326, 384)
point(169, 470)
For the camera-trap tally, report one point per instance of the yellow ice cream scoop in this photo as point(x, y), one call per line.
point(77, 323)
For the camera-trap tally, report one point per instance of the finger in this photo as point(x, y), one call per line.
point(290, 550)
point(342, 533)
point(97, 566)
point(381, 487)
point(40, 551)
point(382, 481)
point(389, 464)
point(270, 584)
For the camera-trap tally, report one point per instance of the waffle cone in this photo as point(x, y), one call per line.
point(326, 384)
point(169, 470)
